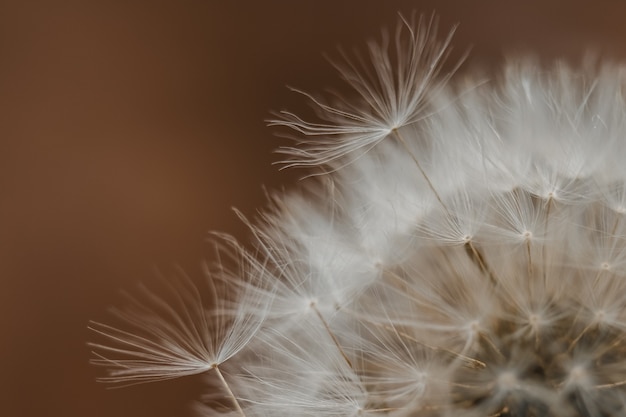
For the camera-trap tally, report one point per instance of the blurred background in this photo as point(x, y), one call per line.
point(128, 130)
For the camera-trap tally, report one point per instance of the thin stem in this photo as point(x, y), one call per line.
point(530, 263)
point(419, 166)
point(332, 335)
point(381, 410)
point(611, 385)
point(480, 259)
point(544, 251)
point(582, 333)
point(602, 269)
point(409, 291)
point(491, 344)
point(230, 392)
point(474, 362)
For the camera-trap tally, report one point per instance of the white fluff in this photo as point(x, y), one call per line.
point(463, 254)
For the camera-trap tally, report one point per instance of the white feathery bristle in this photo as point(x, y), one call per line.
point(460, 250)
point(191, 333)
point(392, 91)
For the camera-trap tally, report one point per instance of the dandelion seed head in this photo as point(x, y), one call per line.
point(461, 251)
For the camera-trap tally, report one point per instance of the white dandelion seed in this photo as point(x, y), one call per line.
point(392, 89)
point(464, 254)
point(191, 333)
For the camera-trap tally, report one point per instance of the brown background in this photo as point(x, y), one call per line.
point(129, 128)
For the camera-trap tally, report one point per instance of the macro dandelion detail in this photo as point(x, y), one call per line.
point(460, 250)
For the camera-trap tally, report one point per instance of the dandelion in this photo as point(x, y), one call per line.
point(463, 254)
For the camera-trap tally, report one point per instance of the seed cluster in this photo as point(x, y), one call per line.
point(460, 250)
point(532, 327)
